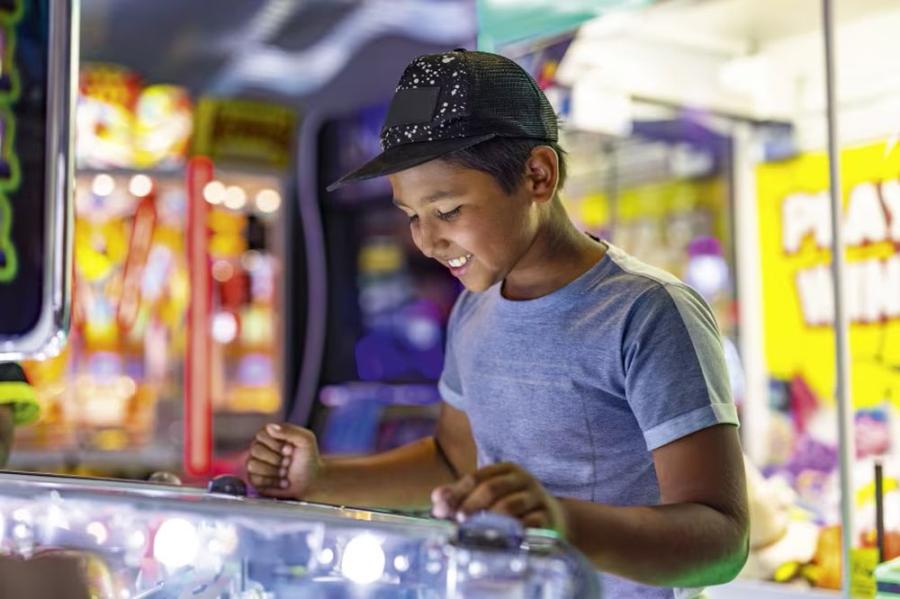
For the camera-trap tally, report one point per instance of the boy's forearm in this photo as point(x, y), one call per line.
point(400, 478)
point(682, 545)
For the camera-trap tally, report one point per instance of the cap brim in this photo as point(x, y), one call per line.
point(399, 158)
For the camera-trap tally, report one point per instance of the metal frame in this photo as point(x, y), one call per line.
point(316, 270)
point(50, 332)
point(847, 453)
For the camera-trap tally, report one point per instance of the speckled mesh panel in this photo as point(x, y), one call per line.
point(477, 93)
point(508, 101)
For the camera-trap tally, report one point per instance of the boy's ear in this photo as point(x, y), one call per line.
point(542, 173)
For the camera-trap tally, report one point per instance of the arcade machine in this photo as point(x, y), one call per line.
point(35, 176)
point(386, 305)
point(130, 539)
point(116, 400)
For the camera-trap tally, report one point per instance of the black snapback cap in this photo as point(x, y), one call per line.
point(452, 101)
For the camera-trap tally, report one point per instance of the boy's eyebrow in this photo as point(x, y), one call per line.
point(430, 199)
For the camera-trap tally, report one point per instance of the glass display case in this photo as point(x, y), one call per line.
point(131, 539)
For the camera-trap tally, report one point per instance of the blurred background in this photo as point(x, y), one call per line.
point(206, 133)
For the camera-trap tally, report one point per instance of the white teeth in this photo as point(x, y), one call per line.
point(458, 262)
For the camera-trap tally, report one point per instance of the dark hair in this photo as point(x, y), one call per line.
point(504, 159)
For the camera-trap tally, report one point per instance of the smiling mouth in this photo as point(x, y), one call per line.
point(459, 262)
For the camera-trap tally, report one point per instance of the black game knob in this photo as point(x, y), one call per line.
point(226, 484)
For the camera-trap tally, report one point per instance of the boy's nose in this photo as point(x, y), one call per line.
point(430, 241)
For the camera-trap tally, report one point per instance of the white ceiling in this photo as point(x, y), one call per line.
point(755, 21)
point(760, 59)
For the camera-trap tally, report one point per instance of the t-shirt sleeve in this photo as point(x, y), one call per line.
point(676, 380)
point(450, 385)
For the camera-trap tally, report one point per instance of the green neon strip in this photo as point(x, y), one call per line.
point(14, 15)
point(10, 268)
point(8, 152)
point(8, 23)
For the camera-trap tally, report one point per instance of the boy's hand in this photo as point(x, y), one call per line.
point(502, 488)
point(284, 461)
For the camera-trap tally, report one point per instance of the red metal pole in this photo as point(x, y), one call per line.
point(197, 363)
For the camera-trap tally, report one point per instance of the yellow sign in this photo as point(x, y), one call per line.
point(245, 132)
point(795, 241)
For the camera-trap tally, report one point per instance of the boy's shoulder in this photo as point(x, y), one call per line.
point(639, 281)
point(642, 275)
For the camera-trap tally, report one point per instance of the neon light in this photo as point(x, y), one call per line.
point(9, 161)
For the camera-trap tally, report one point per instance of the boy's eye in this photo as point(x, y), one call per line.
point(448, 215)
point(412, 217)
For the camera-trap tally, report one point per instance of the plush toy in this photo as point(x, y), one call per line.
point(782, 538)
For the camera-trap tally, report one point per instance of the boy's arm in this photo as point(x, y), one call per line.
point(699, 533)
point(697, 536)
point(400, 478)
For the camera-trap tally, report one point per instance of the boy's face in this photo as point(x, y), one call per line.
point(462, 218)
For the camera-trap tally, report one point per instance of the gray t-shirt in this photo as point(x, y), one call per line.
point(579, 386)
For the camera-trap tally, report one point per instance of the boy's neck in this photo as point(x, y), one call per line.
point(558, 255)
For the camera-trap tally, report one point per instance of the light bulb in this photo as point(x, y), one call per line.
point(103, 185)
point(268, 200)
point(363, 559)
point(235, 197)
point(214, 192)
point(140, 186)
point(176, 543)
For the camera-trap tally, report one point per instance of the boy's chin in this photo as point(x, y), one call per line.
point(476, 286)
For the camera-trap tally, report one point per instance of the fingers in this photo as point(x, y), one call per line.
point(482, 474)
point(288, 433)
point(447, 498)
point(491, 490)
point(261, 468)
point(517, 504)
point(501, 488)
point(275, 451)
point(268, 440)
point(264, 482)
point(536, 519)
point(266, 454)
point(478, 491)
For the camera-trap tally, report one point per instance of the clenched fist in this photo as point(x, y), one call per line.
point(284, 461)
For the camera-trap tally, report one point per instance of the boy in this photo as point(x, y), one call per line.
point(583, 391)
